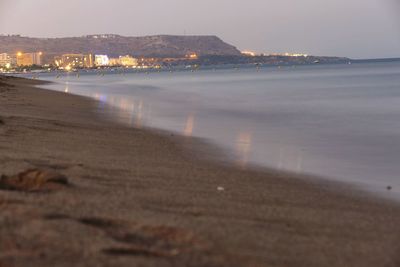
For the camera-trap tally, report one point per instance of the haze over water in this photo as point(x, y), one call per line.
point(337, 121)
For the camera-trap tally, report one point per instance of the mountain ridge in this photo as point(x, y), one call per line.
point(162, 45)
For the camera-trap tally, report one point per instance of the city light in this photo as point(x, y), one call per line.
point(249, 53)
point(70, 62)
point(290, 55)
point(192, 56)
point(101, 60)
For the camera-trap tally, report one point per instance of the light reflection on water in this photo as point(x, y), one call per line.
point(243, 148)
point(132, 111)
point(189, 127)
point(66, 90)
point(335, 121)
point(126, 110)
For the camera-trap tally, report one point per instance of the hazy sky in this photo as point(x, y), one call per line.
point(354, 28)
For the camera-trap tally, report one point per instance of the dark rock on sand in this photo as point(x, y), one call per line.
point(33, 180)
point(146, 240)
point(3, 84)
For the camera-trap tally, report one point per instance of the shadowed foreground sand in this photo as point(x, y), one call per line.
point(77, 190)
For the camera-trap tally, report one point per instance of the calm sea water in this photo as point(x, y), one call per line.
point(338, 121)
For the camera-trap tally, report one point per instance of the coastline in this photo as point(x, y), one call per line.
point(139, 197)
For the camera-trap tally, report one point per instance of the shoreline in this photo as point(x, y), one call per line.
point(213, 152)
point(140, 197)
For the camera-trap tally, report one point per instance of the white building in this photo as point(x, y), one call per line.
point(5, 60)
point(101, 60)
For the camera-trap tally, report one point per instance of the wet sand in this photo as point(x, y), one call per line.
point(91, 192)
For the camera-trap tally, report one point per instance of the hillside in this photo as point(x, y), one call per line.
point(114, 45)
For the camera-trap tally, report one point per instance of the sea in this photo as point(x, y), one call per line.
point(340, 122)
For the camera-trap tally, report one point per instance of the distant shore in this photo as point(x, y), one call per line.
point(107, 195)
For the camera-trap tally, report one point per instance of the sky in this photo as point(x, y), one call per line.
point(353, 28)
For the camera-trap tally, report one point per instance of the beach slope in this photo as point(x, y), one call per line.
point(78, 190)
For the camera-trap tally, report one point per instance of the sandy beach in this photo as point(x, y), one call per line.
point(79, 190)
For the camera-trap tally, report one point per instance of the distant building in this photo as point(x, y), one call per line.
point(289, 55)
point(128, 61)
point(192, 56)
point(29, 59)
point(73, 61)
point(6, 60)
point(249, 53)
point(114, 62)
point(102, 36)
point(101, 60)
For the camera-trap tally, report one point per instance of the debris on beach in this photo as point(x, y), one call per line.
point(140, 251)
point(147, 240)
point(220, 188)
point(33, 180)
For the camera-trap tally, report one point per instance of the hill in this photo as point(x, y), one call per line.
point(115, 45)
